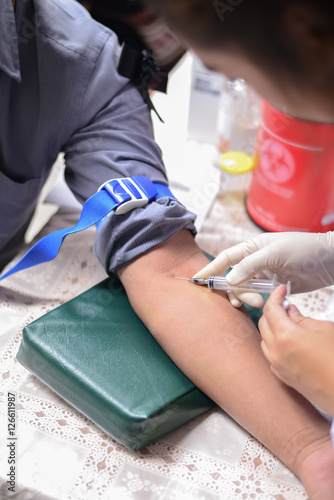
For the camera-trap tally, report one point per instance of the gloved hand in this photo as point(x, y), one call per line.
point(305, 259)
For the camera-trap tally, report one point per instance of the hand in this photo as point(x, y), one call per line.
point(305, 259)
point(300, 350)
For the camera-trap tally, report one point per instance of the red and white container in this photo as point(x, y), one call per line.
point(292, 186)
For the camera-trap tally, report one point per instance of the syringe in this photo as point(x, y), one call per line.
point(257, 285)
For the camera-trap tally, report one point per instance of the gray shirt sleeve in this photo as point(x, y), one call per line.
point(116, 140)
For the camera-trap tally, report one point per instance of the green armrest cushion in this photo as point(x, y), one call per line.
point(96, 354)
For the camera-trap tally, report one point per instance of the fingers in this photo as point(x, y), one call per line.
point(265, 351)
point(275, 318)
point(252, 299)
point(232, 256)
point(234, 300)
point(278, 295)
point(237, 254)
point(217, 266)
point(249, 267)
point(238, 298)
point(274, 312)
point(295, 314)
point(222, 262)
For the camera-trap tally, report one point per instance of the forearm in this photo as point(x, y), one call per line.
point(187, 320)
point(214, 344)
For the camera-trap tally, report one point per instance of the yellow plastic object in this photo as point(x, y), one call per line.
point(236, 162)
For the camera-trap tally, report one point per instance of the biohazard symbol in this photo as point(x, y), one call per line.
point(277, 163)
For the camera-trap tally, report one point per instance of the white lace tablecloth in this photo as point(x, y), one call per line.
point(61, 455)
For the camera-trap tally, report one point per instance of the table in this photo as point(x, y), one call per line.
point(63, 456)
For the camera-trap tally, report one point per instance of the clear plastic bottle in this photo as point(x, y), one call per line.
point(238, 117)
point(235, 172)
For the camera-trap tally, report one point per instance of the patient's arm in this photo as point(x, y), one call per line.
point(218, 348)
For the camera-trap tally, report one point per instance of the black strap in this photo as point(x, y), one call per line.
point(141, 68)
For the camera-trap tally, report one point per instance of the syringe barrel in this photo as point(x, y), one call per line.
point(256, 285)
point(217, 283)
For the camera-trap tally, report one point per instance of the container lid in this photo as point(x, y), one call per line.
point(295, 131)
point(236, 162)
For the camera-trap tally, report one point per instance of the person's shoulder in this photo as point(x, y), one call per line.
point(68, 26)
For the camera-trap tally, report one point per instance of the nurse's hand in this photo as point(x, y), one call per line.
point(300, 350)
point(304, 259)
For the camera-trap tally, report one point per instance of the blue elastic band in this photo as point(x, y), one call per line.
point(98, 206)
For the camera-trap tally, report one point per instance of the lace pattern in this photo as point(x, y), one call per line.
point(62, 455)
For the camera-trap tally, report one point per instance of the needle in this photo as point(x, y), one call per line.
point(265, 286)
point(198, 281)
point(257, 286)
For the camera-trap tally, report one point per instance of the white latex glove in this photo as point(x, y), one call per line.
point(305, 259)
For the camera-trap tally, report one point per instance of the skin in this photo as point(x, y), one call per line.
point(294, 344)
point(308, 36)
point(212, 350)
point(218, 348)
point(313, 101)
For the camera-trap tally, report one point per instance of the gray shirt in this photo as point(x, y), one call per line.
point(60, 91)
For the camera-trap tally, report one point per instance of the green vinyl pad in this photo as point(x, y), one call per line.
point(96, 354)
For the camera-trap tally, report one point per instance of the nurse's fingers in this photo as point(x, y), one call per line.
point(225, 260)
point(234, 300)
point(250, 298)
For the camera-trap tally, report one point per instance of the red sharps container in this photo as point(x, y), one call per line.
point(292, 186)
